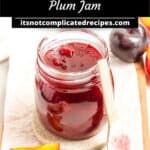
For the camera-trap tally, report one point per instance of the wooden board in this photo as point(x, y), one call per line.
point(144, 106)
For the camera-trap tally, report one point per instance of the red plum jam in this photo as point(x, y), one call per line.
point(69, 98)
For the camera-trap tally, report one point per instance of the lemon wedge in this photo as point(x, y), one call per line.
point(42, 147)
point(145, 21)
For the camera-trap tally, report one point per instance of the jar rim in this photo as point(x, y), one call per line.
point(59, 39)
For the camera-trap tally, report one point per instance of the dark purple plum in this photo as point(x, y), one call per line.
point(128, 44)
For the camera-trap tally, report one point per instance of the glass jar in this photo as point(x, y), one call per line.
point(69, 98)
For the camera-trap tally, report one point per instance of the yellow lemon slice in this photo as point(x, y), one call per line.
point(42, 147)
point(145, 21)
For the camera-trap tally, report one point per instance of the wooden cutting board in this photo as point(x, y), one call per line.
point(144, 106)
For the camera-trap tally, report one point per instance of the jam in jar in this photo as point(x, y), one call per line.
point(69, 99)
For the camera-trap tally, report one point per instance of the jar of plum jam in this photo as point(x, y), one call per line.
point(69, 99)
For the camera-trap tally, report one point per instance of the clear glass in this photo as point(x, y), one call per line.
point(69, 99)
